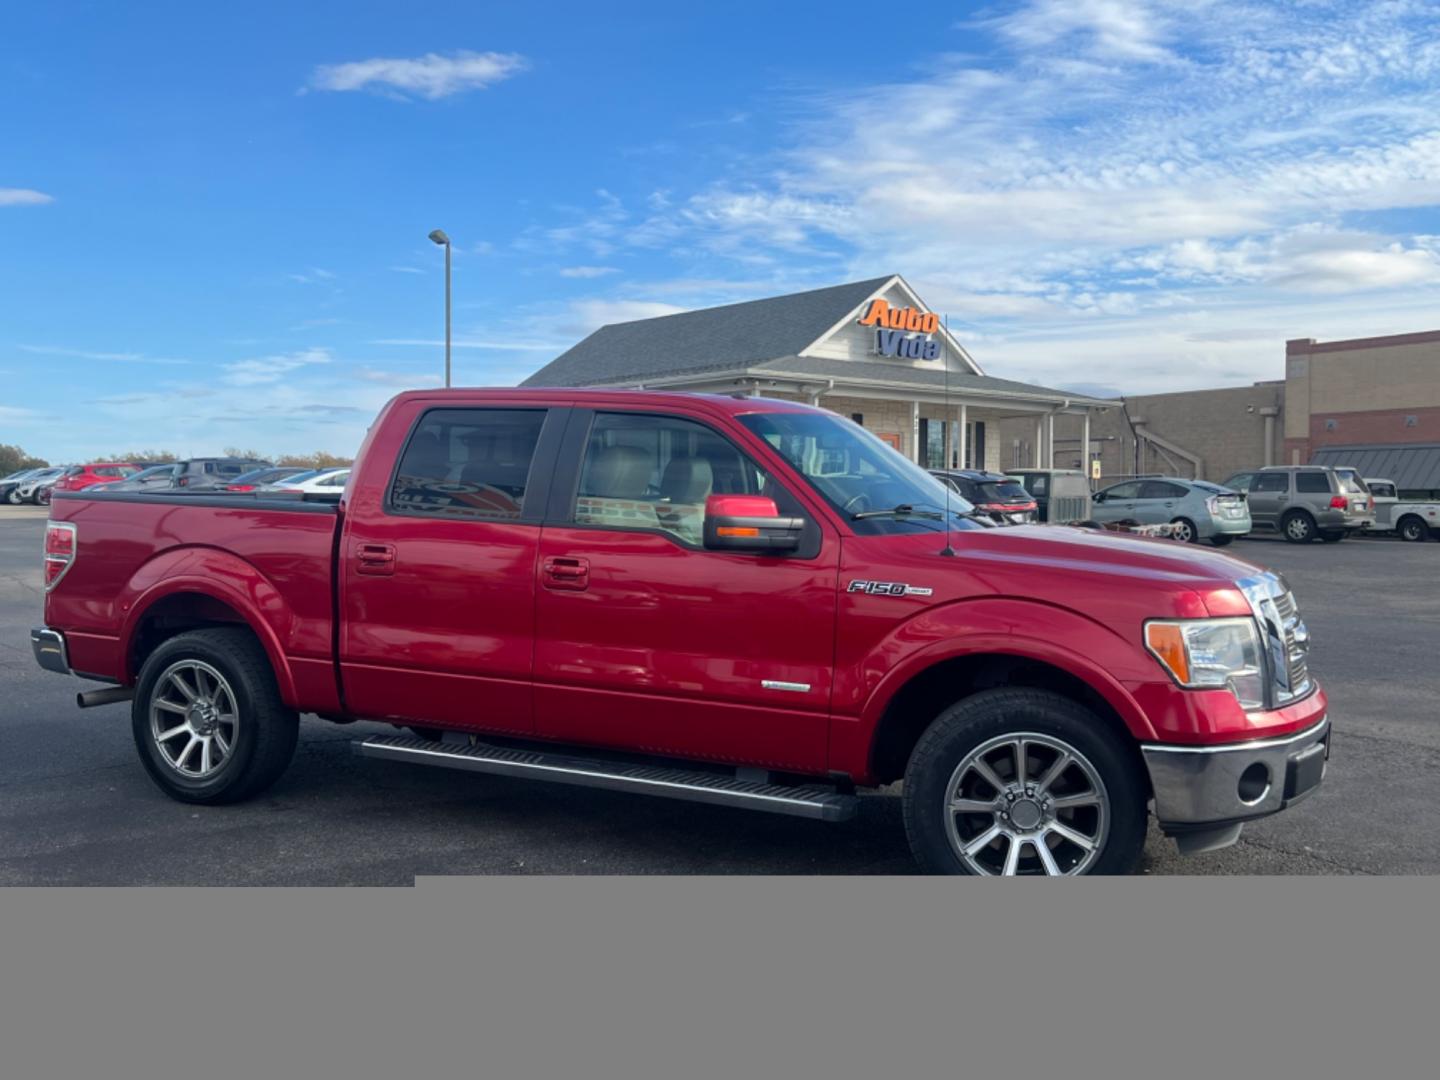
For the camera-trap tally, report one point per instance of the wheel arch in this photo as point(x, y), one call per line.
point(913, 705)
point(215, 589)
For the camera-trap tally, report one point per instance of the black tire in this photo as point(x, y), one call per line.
point(1221, 539)
point(264, 735)
point(972, 722)
point(1298, 527)
point(13, 496)
point(1412, 529)
point(42, 497)
point(1191, 534)
point(1332, 536)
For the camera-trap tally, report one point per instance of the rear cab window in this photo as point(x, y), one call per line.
point(467, 464)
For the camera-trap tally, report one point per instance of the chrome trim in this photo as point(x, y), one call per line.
point(776, 684)
point(1200, 784)
point(50, 650)
point(1285, 640)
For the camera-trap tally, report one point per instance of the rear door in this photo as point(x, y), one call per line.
point(1269, 498)
point(646, 640)
point(438, 567)
point(1159, 502)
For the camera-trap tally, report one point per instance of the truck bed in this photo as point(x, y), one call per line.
point(165, 558)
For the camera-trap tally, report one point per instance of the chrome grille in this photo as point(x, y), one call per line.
point(1286, 639)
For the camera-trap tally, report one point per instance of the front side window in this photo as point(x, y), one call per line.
point(1123, 491)
point(654, 473)
point(875, 487)
point(468, 464)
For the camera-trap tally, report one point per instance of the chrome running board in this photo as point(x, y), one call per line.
point(644, 779)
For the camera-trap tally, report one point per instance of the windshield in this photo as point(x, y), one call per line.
point(858, 474)
point(17, 476)
point(152, 472)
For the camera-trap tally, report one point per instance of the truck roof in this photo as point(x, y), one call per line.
point(733, 404)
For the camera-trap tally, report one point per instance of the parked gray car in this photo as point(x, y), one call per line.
point(193, 473)
point(1198, 509)
point(1302, 502)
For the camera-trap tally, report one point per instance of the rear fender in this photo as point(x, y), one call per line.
point(220, 576)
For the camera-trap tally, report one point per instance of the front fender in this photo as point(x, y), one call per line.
point(221, 576)
point(1034, 630)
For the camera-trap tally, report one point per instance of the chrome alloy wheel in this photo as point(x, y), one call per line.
point(1184, 532)
point(193, 718)
point(1026, 803)
point(1297, 528)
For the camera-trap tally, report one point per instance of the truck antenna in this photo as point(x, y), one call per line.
point(948, 550)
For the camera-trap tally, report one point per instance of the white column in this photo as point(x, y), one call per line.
point(1050, 441)
point(1085, 443)
point(964, 440)
point(1039, 442)
point(917, 451)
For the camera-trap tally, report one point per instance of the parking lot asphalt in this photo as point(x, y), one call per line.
point(76, 807)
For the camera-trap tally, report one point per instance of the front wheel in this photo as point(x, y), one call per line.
point(13, 496)
point(208, 720)
point(1413, 530)
point(1018, 781)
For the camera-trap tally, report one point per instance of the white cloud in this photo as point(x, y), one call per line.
point(1109, 29)
point(270, 369)
point(312, 276)
point(23, 197)
point(587, 271)
point(407, 270)
point(86, 354)
point(431, 76)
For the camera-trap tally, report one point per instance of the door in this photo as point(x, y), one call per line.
point(1269, 497)
point(1159, 502)
point(1119, 502)
point(646, 640)
point(438, 569)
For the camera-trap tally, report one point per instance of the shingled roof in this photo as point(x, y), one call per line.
point(711, 339)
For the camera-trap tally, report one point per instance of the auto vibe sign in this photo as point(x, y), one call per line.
point(902, 331)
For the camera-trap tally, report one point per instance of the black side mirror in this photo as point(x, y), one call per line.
point(749, 523)
point(1098, 497)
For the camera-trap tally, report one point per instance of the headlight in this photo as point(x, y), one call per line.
point(1215, 654)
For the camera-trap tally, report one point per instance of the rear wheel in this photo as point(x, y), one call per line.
point(1184, 530)
point(208, 720)
point(1413, 529)
point(1017, 781)
point(1298, 527)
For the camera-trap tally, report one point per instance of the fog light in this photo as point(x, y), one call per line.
point(1254, 783)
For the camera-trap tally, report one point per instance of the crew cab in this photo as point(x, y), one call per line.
point(743, 601)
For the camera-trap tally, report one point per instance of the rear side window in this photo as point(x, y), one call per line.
point(469, 464)
point(1312, 482)
point(1161, 489)
point(1276, 481)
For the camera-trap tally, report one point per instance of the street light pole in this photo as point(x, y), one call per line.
point(439, 237)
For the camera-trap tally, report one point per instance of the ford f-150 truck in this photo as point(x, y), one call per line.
point(744, 601)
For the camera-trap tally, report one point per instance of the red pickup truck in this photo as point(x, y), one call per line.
point(737, 600)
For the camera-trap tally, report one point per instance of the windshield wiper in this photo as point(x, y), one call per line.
point(904, 510)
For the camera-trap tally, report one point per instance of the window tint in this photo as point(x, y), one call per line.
point(655, 472)
point(472, 464)
point(1312, 482)
point(995, 491)
point(1124, 491)
point(1272, 482)
point(1161, 489)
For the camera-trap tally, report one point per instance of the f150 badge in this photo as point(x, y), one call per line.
point(887, 588)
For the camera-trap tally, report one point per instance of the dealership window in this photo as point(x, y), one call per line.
point(654, 473)
point(932, 443)
point(469, 464)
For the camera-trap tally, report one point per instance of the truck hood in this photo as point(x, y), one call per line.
point(1068, 566)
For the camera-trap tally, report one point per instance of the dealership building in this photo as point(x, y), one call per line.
point(870, 350)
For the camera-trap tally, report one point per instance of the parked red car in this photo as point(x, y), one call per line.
point(741, 601)
point(80, 477)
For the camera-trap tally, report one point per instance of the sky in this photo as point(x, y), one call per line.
point(213, 217)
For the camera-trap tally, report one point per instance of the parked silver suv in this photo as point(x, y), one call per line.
point(1302, 502)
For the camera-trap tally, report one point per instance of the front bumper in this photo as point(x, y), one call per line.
point(50, 651)
point(1207, 789)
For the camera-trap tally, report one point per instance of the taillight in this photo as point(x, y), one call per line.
point(60, 544)
point(1212, 504)
point(182, 481)
point(239, 487)
point(1337, 502)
